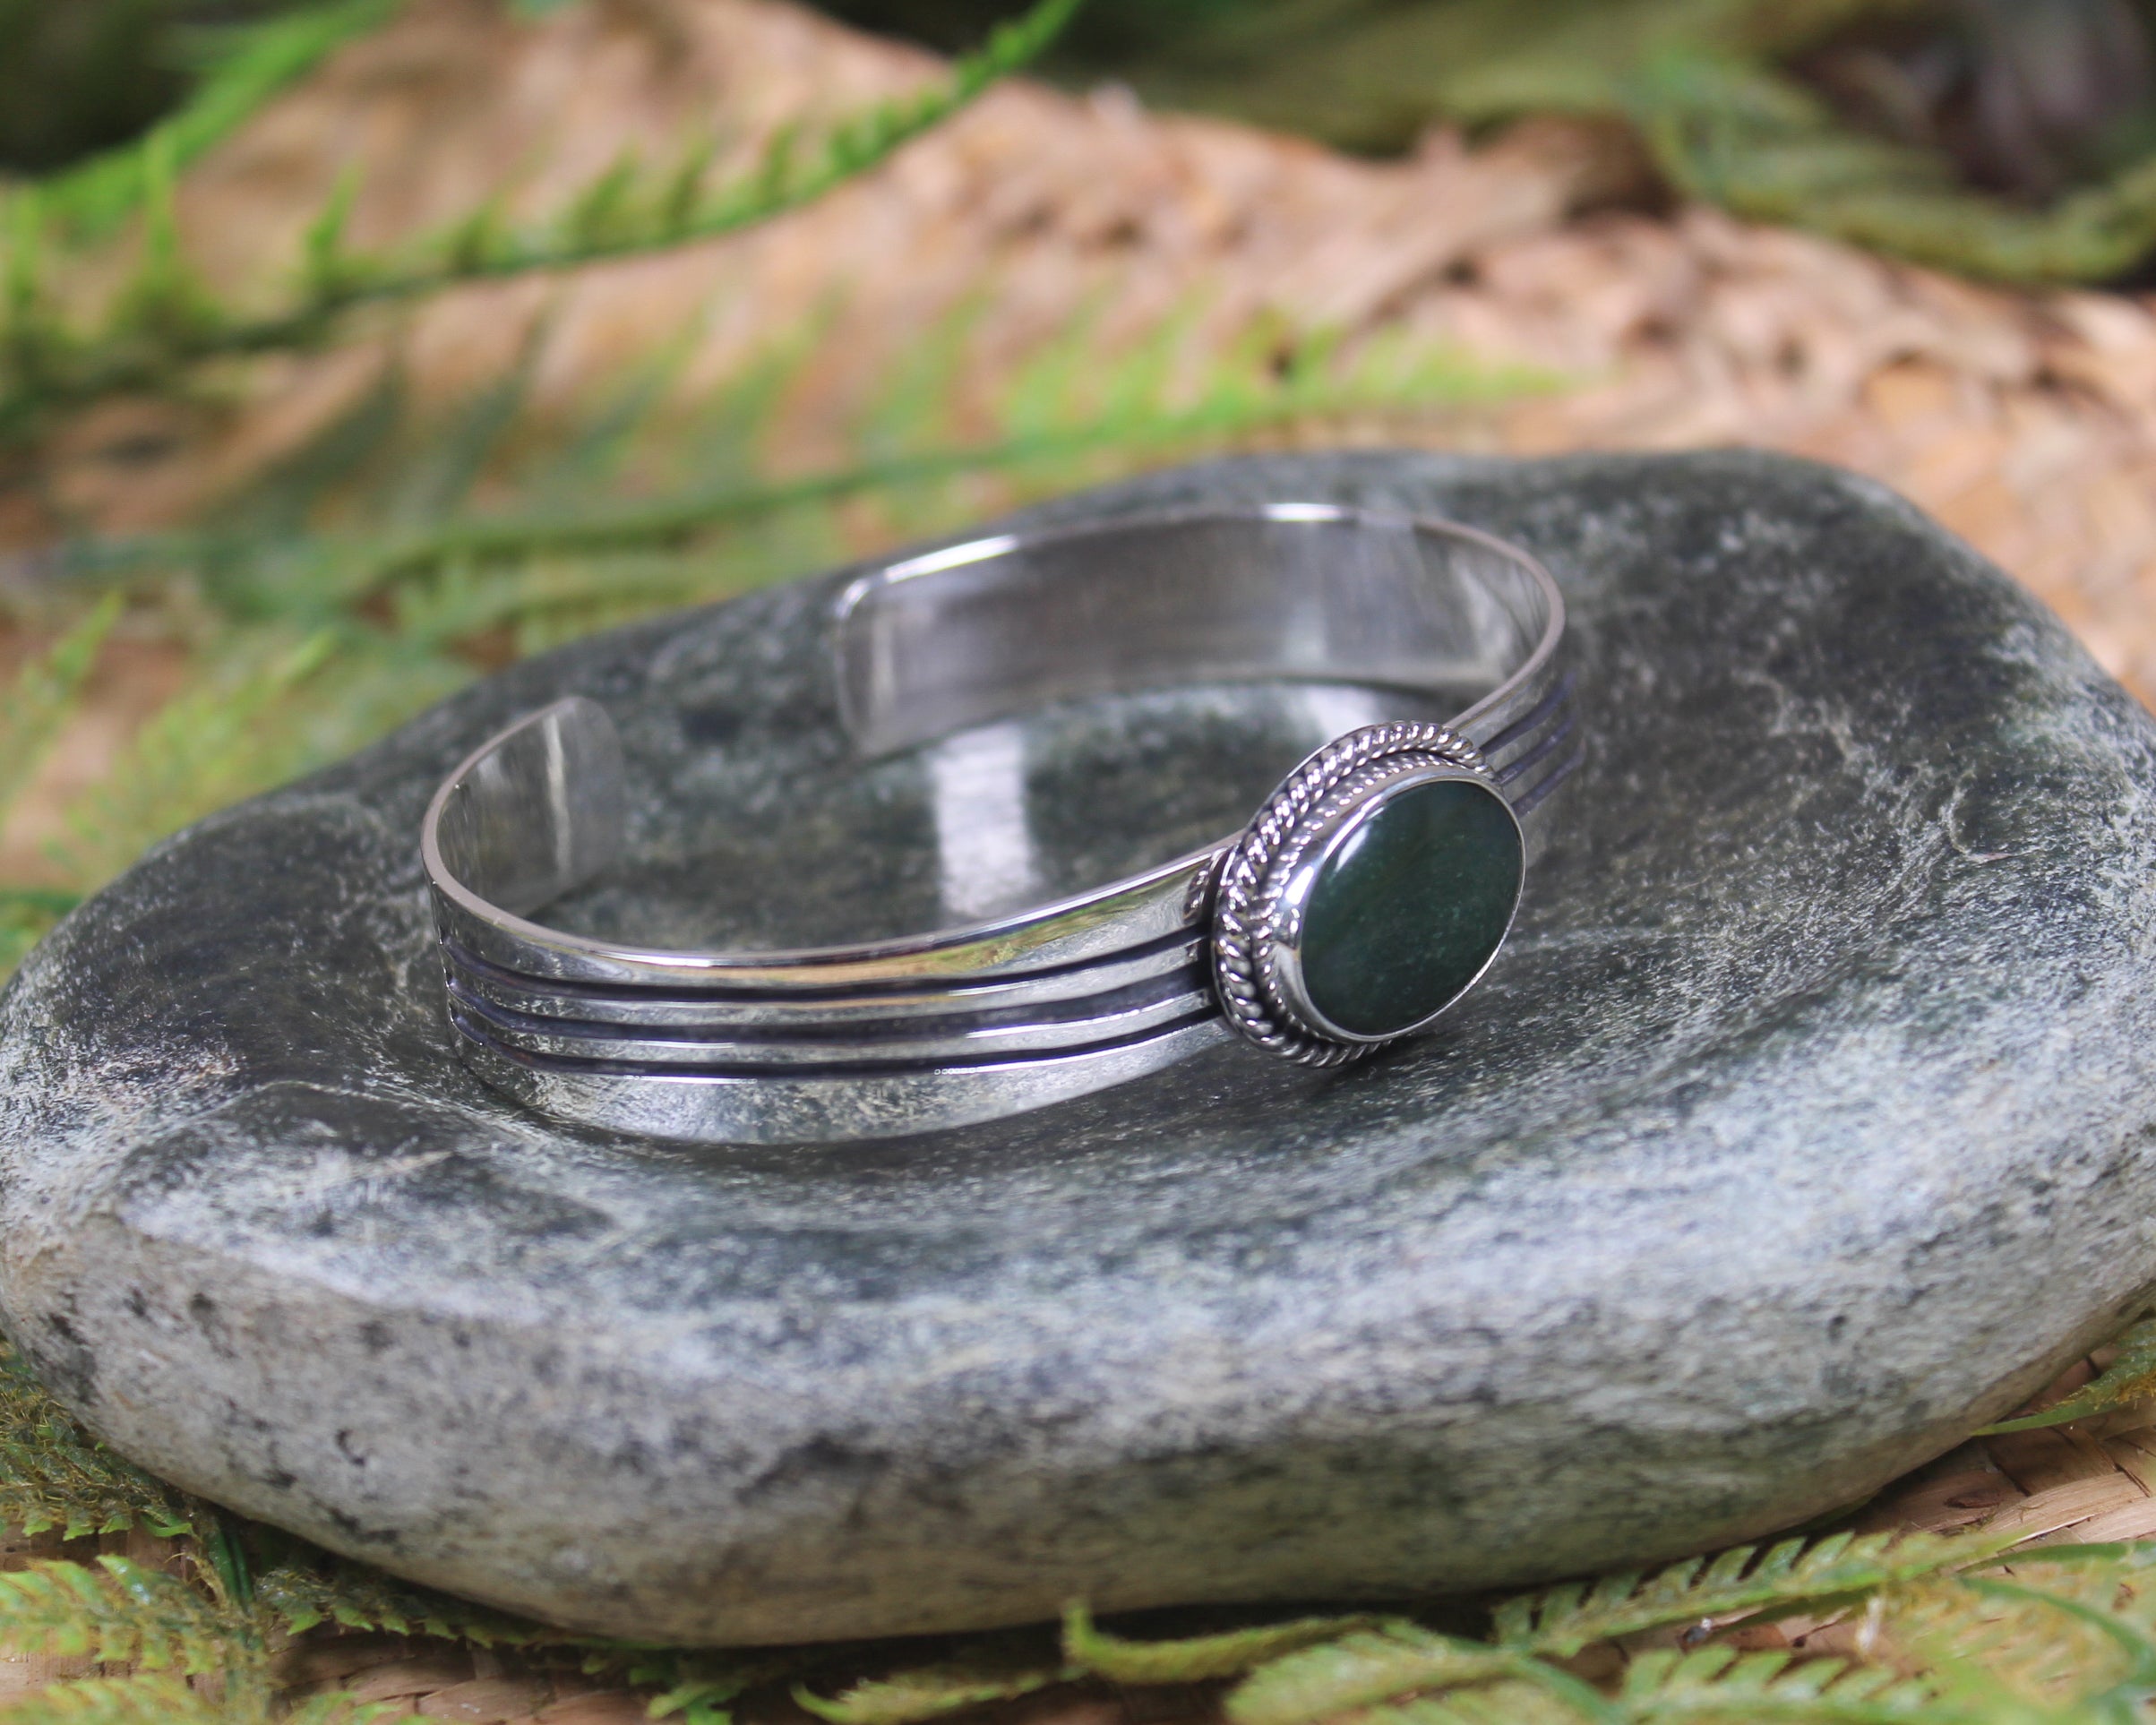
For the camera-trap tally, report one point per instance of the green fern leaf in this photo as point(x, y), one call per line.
point(695, 1687)
point(1561, 1621)
point(166, 304)
point(166, 321)
point(151, 1700)
point(600, 216)
point(328, 273)
point(1720, 1683)
point(1047, 455)
point(119, 1611)
point(987, 1672)
point(1197, 1658)
point(34, 343)
point(454, 452)
point(301, 1595)
point(1362, 1670)
point(1509, 1700)
point(254, 62)
point(44, 696)
point(2048, 1650)
point(212, 744)
point(2130, 1378)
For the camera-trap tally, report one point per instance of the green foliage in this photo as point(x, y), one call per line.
point(218, 741)
point(43, 696)
point(1748, 138)
point(1069, 402)
point(308, 1588)
point(153, 1700)
point(1404, 1671)
point(250, 64)
point(1561, 1621)
point(1720, 1683)
point(1706, 84)
point(1363, 1668)
point(991, 1671)
point(696, 1687)
point(157, 1698)
point(2130, 1378)
point(115, 1611)
point(343, 1710)
point(164, 321)
point(1090, 1649)
point(319, 637)
point(54, 1476)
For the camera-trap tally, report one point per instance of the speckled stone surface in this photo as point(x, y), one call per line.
point(1808, 1120)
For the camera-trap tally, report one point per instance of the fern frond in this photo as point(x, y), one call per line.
point(253, 63)
point(2129, 1641)
point(696, 1687)
point(1363, 1669)
point(148, 1700)
point(208, 747)
point(303, 1594)
point(116, 1611)
point(166, 321)
point(1982, 1649)
point(456, 451)
point(1196, 1658)
point(1562, 1620)
point(54, 1475)
point(166, 304)
point(1509, 1700)
point(1753, 141)
point(972, 1678)
point(591, 457)
point(31, 332)
point(2129, 1378)
point(43, 697)
point(1715, 1686)
point(1232, 408)
point(1720, 1683)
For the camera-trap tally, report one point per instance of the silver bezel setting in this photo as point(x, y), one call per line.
point(1264, 881)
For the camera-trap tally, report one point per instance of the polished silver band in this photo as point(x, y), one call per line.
point(972, 1023)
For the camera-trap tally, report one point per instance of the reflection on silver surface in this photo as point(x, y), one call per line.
point(984, 840)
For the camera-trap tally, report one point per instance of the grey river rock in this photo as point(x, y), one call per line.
point(1806, 1123)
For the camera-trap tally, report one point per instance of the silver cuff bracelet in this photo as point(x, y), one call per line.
point(1371, 891)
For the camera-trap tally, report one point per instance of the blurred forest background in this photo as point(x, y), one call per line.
point(349, 349)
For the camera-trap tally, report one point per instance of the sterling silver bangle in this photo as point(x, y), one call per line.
point(1372, 891)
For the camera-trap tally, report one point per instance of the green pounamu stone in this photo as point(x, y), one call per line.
point(1410, 905)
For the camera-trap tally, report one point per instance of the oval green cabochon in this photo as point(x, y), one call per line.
point(1410, 905)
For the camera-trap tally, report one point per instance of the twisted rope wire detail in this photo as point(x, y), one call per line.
point(1246, 899)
